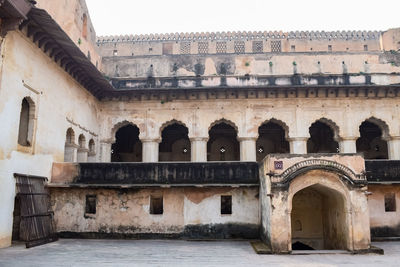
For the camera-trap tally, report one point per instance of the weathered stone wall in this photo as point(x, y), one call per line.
point(71, 16)
point(188, 213)
point(384, 223)
point(59, 103)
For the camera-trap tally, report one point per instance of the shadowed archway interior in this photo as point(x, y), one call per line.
point(318, 219)
point(223, 144)
point(127, 146)
point(321, 139)
point(175, 144)
point(371, 143)
point(271, 140)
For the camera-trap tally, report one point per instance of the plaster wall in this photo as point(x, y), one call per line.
point(251, 64)
point(383, 224)
point(60, 102)
point(126, 211)
point(69, 14)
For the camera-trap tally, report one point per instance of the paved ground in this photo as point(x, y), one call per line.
point(73, 252)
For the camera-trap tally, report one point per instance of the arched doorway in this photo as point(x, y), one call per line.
point(271, 139)
point(321, 139)
point(371, 142)
point(175, 144)
point(318, 219)
point(127, 146)
point(223, 144)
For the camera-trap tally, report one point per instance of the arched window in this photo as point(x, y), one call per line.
point(70, 147)
point(371, 142)
point(175, 144)
point(82, 141)
point(127, 146)
point(84, 26)
point(271, 140)
point(25, 132)
point(223, 144)
point(92, 148)
point(321, 139)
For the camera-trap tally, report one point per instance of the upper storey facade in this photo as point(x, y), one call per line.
point(248, 43)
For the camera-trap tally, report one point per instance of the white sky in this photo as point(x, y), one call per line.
point(112, 17)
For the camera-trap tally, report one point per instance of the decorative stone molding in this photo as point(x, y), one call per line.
point(345, 173)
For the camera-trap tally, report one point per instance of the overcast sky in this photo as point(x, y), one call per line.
point(111, 17)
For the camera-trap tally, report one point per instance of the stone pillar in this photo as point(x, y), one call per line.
point(247, 148)
point(82, 154)
point(198, 149)
point(348, 145)
point(150, 150)
point(298, 145)
point(105, 151)
point(393, 145)
point(91, 157)
point(70, 153)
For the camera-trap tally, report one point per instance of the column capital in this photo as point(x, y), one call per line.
point(302, 139)
point(106, 141)
point(247, 138)
point(150, 140)
point(204, 139)
point(348, 138)
point(392, 138)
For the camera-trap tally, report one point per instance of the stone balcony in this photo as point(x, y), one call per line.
point(160, 174)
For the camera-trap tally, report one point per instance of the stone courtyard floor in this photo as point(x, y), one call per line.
point(79, 252)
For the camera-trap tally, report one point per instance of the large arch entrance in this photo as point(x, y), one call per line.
point(223, 144)
point(175, 144)
point(127, 146)
point(318, 219)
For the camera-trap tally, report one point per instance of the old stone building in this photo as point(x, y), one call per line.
point(291, 137)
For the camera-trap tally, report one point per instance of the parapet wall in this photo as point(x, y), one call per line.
point(239, 43)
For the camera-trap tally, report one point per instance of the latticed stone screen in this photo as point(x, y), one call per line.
point(203, 47)
point(257, 46)
point(276, 46)
point(185, 48)
point(239, 47)
point(221, 47)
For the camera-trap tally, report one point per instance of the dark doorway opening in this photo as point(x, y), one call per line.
point(321, 139)
point(175, 144)
point(271, 140)
point(223, 144)
point(371, 143)
point(127, 146)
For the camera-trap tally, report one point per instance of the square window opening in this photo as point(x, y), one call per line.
point(90, 207)
point(390, 202)
point(156, 205)
point(226, 205)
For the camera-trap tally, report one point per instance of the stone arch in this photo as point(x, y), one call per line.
point(82, 141)
point(278, 122)
point(70, 146)
point(70, 136)
point(320, 140)
point(171, 122)
point(272, 138)
point(126, 144)
point(119, 125)
point(175, 143)
point(382, 125)
point(374, 134)
point(92, 146)
point(26, 122)
point(223, 144)
point(323, 209)
point(226, 121)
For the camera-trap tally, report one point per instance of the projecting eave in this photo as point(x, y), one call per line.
point(50, 37)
